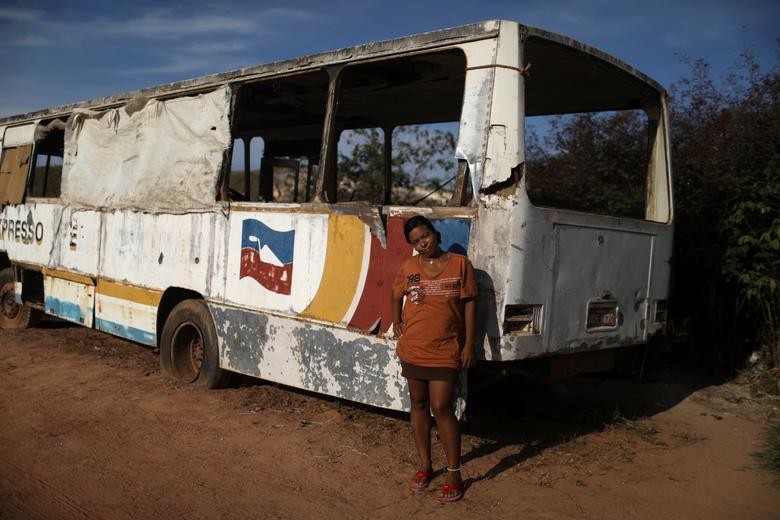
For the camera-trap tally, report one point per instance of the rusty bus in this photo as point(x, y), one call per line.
point(121, 213)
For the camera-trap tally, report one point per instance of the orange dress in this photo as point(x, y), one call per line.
point(433, 313)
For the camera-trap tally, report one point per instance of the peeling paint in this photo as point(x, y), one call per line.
point(243, 337)
point(358, 367)
point(337, 362)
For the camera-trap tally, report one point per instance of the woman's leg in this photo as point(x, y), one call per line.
point(442, 394)
point(421, 422)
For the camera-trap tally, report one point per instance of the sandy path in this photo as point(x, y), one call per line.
point(90, 429)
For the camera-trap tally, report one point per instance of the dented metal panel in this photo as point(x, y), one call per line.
point(127, 311)
point(311, 356)
point(77, 242)
point(562, 260)
point(157, 251)
point(505, 133)
point(70, 298)
point(585, 269)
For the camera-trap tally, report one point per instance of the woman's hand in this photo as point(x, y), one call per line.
point(398, 329)
point(467, 357)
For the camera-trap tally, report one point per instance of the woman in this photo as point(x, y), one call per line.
point(435, 331)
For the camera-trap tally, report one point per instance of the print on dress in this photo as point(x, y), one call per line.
point(414, 289)
point(446, 287)
point(417, 289)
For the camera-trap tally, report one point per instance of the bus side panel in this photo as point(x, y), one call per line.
point(127, 311)
point(333, 268)
point(276, 260)
point(63, 244)
point(143, 254)
point(69, 299)
point(315, 357)
point(77, 246)
point(69, 285)
point(27, 232)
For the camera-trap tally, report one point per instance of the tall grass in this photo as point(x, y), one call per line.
point(769, 456)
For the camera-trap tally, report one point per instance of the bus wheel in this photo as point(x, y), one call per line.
point(188, 346)
point(12, 314)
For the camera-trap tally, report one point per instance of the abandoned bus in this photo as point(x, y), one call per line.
point(228, 220)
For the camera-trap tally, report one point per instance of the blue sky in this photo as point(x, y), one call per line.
point(60, 52)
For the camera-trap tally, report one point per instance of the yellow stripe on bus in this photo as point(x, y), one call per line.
point(343, 261)
point(129, 293)
point(69, 276)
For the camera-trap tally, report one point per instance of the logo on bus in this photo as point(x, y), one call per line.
point(24, 231)
point(267, 256)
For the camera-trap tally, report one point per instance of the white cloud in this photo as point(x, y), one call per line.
point(177, 64)
point(19, 14)
point(216, 47)
point(282, 12)
point(31, 41)
point(167, 25)
point(198, 60)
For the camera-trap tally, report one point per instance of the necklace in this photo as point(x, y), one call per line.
point(431, 261)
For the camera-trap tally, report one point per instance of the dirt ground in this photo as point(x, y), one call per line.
point(89, 428)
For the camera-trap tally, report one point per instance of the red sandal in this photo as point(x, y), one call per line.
point(445, 497)
point(422, 479)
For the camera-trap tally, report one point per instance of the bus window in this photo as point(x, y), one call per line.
point(293, 179)
point(361, 166)
point(427, 167)
point(416, 102)
point(589, 133)
point(46, 172)
point(423, 165)
point(595, 163)
point(239, 173)
point(282, 119)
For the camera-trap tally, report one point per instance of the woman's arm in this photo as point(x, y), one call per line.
point(396, 302)
point(469, 317)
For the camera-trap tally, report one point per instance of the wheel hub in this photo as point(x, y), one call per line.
point(8, 306)
point(187, 351)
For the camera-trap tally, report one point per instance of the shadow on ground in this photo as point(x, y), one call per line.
point(531, 418)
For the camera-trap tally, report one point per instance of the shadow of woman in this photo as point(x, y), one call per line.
point(520, 420)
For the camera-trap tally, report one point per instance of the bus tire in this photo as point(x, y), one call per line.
point(12, 314)
point(189, 352)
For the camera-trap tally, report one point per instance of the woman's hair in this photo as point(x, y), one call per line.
point(417, 221)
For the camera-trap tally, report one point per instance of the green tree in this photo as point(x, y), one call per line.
point(725, 144)
point(590, 162)
point(421, 157)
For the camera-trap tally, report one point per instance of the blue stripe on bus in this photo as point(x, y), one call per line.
point(131, 333)
point(66, 310)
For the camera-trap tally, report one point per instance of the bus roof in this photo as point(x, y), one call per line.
point(428, 40)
